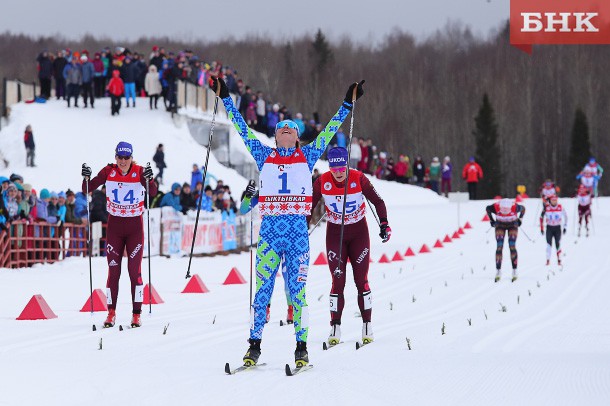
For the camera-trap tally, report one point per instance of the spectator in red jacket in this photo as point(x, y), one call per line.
point(400, 169)
point(30, 146)
point(115, 88)
point(472, 173)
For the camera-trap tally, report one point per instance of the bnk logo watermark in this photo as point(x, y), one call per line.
point(559, 22)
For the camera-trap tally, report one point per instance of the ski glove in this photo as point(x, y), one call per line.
point(519, 222)
point(565, 230)
point(148, 172)
point(85, 171)
point(250, 190)
point(224, 90)
point(385, 232)
point(350, 92)
point(492, 223)
point(541, 231)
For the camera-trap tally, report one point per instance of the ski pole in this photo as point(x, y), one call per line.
point(527, 236)
point(374, 212)
point(251, 254)
point(318, 223)
point(337, 271)
point(148, 232)
point(205, 172)
point(89, 243)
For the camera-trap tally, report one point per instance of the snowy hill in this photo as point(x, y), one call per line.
point(65, 138)
point(550, 345)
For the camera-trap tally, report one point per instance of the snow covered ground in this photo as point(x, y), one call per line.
point(550, 347)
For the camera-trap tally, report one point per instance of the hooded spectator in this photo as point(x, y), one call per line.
point(159, 160)
point(71, 216)
point(355, 153)
point(172, 199)
point(152, 85)
point(400, 169)
point(472, 173)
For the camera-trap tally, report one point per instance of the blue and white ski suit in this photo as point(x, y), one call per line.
point(283, 235)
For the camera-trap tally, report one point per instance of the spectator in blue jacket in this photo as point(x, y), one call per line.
point(88, 71)
point(74, 79)
point(42, 204)
point(196, 176)
point(273, 117)
point(207, 204)
point(80, 206)
point(172, 199)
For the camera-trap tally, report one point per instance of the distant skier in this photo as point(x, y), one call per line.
point(584, 197)
point(547, 190)
point(125, 194)
point(356, 242)
point(508, 219)
point(284, 202)
point(590, 175)
point(556, 220)
point(249, 202)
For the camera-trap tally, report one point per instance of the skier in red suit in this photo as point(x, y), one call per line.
point(356, 242)
point(125, 195)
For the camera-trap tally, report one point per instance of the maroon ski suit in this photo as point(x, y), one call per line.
point(356, 241)
point(123, 233)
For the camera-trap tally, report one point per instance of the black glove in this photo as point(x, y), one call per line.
point(541, 232)
point(385, 232)
point(349, 96)
point(250, 190)
point(492, 223)
point(148, 172)
point(85, 171)
point(565, 230)
point(519, 222)
point(224, 90)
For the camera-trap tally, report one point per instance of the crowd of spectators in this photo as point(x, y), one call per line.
point(21, 203)
point(121, 73)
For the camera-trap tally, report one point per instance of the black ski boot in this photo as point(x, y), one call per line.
point(251, 357)
point(301, 358)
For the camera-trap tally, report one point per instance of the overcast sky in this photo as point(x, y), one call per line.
point(363, 21)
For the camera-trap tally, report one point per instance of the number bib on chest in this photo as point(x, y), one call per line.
point(509, 217)
point(553, 215)
point(285, 185)
point(584, 200)
point(125, 193)
point(355, 209)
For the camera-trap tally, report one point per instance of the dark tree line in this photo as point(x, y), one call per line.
point(421, 97)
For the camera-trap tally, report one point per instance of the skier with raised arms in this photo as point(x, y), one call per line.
point(125, 195)
point(508, 219)
point(556, 220)
point(355, 244)
point(285, 198)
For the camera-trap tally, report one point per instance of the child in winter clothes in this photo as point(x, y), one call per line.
point(28, 140)
point(115, 88)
